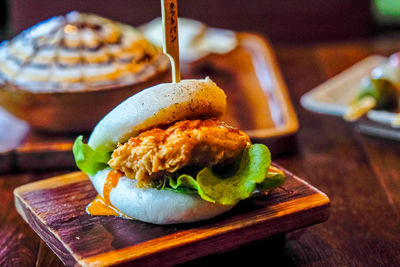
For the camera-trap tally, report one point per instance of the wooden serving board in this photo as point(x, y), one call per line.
point(55, 209)
point(258, 103)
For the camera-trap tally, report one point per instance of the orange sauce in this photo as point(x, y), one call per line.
point(161, 134)
point(110, 183)
point(101, 206)
point(98, 207)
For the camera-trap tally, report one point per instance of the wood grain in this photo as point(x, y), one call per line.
point(19, 244)
point(46, 257)
point(360, 174)
point(258, 103)
point(55, 209)
point(363, 229)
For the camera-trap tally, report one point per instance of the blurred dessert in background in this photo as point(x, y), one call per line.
point(78, 51)
point(56, 72)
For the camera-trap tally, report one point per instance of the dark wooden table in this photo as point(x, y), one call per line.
point(360, 174)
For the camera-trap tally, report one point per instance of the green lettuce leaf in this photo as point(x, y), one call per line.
point(382, 90)
point(275, 178)
point(88, 160)
point(187, 184)
point(253, 174)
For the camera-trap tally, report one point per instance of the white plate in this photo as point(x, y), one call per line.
point(196, 40)
point(334, 96)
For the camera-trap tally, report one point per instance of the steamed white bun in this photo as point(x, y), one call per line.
point(161, 104)
point(156, 206)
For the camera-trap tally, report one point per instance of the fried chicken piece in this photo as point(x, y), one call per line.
point(185, 143)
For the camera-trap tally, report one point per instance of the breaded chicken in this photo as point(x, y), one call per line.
point(185, 143)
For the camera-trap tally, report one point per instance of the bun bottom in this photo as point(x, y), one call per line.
point(156, 206)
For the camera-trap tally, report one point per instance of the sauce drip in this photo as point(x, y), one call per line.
point(101, 206)
point(98, 207)
point(110, 183)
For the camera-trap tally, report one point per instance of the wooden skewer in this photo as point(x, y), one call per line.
point(169, 10)
point(359, 108)
point(396, 121)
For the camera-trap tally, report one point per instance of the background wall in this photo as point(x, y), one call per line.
point(280, 20)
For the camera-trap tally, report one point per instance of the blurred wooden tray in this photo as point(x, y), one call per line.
point(55, 209)
point(258, 103)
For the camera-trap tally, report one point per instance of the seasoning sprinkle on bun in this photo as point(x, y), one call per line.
point(164, 156)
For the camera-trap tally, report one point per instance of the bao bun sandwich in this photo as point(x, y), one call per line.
point(163, 156)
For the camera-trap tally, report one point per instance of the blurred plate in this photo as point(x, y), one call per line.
point(334, 96)
point(196, 39)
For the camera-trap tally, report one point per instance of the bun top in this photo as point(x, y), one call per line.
point(158, 105)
